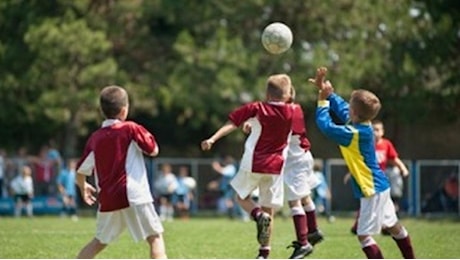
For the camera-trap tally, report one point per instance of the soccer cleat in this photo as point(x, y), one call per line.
point(315, 237)
point(300, 251)
point(263, 228)
point(260, 257)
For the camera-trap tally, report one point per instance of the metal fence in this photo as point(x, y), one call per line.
point(431, 188)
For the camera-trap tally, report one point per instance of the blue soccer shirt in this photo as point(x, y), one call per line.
point(356, 143)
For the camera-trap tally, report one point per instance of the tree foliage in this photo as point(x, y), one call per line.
point(186, 64)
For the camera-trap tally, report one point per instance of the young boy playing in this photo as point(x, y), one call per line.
point(115, 154)
point(264, 154)
point(356, 141)
point(387, 155)
point(299, 180)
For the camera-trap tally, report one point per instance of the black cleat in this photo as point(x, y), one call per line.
point(315, 237)
point(263, 228)
point(300, 251)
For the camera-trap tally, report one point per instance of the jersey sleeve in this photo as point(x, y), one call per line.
point(341, 134)
point(340, 107)
point(86, 163)
point(243, 113)
point(144, 139)
point(391, 152)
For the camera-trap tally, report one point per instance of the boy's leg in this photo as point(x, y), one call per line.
point(302, 247)
point(157, 247)
point(314, 234)
point(370, 247)
point(402, 239)
point(91, 249)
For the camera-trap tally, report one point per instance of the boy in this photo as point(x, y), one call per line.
point(264, 154)
point(115, 154)
point(66, 187)
point(299, 179)
point(386, 154)
point(23, 191)
point(356, 142)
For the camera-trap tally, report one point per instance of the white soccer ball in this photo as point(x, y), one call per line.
point(190, 182)
point(277, 38)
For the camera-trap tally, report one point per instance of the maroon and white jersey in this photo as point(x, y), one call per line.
point(265, 149)
point(115, 154)
point(298, 143)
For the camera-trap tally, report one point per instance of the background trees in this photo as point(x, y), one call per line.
point(186, 64)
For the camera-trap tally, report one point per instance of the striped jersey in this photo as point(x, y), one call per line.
point(356, 143)
point(114, 153)
point(265, 149)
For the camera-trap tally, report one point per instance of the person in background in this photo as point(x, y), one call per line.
point(22, 188)
point(355, 138)
point(322, 194)
point(166, 186)
point(3, 168)
point(66, 183)
point(183, 195)
point(227, 169)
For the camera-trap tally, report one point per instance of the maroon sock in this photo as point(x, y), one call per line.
point(255, 213)
point(405, 246)
point(301, 229)
point(264, 252)
point(373, 252)
point(311, 221)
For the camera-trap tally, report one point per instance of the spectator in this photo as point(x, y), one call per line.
point(43, 173)
point(184, 192)
point(23, 190)
point(2, 172)
point(322, 194)
point(166, 185)
point(227, 170)
point(67, 189)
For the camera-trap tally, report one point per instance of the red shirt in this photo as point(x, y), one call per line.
point(385, 151)
point(265, 148)
point(115, 154)
point(298, 128)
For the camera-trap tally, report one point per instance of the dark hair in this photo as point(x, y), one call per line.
point(112, 99)
point(365, 104)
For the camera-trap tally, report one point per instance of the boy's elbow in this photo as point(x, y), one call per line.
point(155, 152)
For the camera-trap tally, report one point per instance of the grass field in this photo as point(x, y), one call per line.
point(53, 237)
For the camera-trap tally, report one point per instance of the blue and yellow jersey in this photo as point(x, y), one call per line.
point(356, 143)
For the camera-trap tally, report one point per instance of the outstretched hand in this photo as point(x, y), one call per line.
point(325, 87)
point(318, 81)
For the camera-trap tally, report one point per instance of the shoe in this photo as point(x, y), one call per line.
point(260, 257)
point(315, 237)
point(263, 228)
point(300, 251)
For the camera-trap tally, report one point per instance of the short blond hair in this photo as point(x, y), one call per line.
point(279, 87)
point(365, 104)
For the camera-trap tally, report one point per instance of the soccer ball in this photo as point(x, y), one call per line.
point(190, 182)
point(277, 38)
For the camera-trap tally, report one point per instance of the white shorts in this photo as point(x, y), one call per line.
point(376, 212)
point(270, 187)
point(141, 220)
point(299, 176)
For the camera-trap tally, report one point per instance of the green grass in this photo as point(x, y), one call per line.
point(53, 237)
